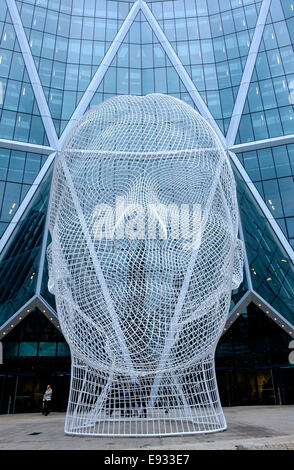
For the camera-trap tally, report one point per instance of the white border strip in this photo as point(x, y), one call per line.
point(33, 74)
point(247, 74)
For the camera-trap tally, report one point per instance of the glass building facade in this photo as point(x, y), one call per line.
point(233, 61)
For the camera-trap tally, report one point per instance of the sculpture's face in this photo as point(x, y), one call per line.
point(144, 244)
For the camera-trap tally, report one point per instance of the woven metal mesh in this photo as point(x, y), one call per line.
point(144, 255)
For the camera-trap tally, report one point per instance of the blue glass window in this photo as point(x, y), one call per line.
point(36, 42)
point(228, 22)
point(159, 56)
point(63, 25)
point(192, 28)
point(281, 160)
point(10, 201)
point(88, 28)
point(48, 46)
point(135, 55)
point(147, 81)
point(47, 348)
point(51, 22)
point(204, 28)
point(123, 81)
point(290, 226)
point(110, 80)
point(28, 349)
point(160, 80)
point(210, 77)
point(207, 50)
point(251, 165)
point(26, 15)
point(16, 166)
point(76, 27)
point(123, 56)
point(181, 30)
point(4, 161)
point(273, 123)
point(135, 82)
point(195, 52)
point(287, 119)
point(227, 101)
point(22, 127)
point(282, 34)
point(61, 48)
point(99, 30)
point(146, 33)
point(286, 186)
point(74, 51)
point(183, 52)
point(168, 11)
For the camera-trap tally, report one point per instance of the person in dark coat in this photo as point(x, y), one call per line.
point(47, 397)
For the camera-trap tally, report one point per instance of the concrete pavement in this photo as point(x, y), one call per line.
point(254, 427)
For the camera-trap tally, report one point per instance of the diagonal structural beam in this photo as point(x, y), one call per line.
point(6, 235)
point(101, 71)
point(247, 74)
point(183, 74)
point(33, 74)
point(268, 216)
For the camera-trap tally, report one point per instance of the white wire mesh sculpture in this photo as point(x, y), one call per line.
point(144, 255)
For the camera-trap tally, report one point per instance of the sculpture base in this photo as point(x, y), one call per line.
point(162, 404)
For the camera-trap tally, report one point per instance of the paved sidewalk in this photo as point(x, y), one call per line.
point(256, 427)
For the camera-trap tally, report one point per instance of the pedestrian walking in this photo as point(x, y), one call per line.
point(47, 397)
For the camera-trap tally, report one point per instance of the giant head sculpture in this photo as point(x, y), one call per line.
point(143, 259)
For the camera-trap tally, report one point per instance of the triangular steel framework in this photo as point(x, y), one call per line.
point(227, 141)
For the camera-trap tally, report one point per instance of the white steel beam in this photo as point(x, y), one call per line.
point(246, 264)
point(6, 235)
point(267, 308)
point(25, 147)
point(261, 144)
point(33, 74)
point(183, 74)
point(236, 311)
point(271, 220)
point(247, 74)
point(21, 313)
point(25, 310)
point(102, 69)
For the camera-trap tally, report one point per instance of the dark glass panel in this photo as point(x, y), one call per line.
point(19, 261)
point(251, 357)
point(272, 271)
